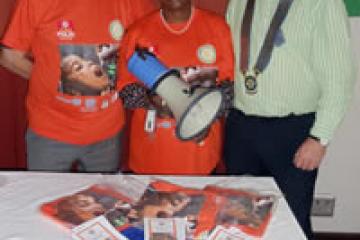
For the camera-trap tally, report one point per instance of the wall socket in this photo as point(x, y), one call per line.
point(323, 206)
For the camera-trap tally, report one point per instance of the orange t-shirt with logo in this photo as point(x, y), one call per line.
point(203, 42)
point(72, 94)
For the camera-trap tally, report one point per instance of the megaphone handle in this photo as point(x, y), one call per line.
point(190, 91)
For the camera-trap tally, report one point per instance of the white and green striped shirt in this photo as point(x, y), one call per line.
point(311, 71)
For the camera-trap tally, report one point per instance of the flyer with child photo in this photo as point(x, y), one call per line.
point(202, 210)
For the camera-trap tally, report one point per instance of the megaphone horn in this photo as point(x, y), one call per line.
point(194, 109)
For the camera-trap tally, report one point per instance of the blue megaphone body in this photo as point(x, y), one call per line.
point(147, 68)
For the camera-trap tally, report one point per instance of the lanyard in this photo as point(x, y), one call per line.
point(264, 57)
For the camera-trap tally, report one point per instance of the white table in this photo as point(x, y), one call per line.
point(21, 194)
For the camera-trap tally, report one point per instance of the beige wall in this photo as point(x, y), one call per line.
point(340, 172)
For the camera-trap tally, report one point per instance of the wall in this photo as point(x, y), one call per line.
point(13, 119)
point(5, 7)
point(218, 6)
point(340, 173)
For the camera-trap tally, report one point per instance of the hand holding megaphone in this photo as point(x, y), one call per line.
point(200, 76)
point(193, 108)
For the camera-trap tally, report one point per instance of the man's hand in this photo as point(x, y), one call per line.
point(16, 61)
point(200, 76)
point(309, 155)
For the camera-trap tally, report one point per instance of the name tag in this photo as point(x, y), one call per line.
point(150, 121)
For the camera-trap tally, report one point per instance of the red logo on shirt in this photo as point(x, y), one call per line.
point(65, 30)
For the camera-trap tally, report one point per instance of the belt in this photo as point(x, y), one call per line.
point(272, 118)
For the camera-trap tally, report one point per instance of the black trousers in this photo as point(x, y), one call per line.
point(263, 146)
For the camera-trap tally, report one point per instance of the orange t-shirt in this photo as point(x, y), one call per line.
point(72, 93)
point(204, 42)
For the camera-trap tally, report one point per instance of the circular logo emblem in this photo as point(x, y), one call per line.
point(251, 84)
point(116, 29)
point(207, 54)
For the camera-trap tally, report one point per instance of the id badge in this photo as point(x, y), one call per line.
point(150, 121)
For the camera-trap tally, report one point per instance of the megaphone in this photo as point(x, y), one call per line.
point(194, 109)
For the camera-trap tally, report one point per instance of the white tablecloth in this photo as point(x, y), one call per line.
point(21, 194)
